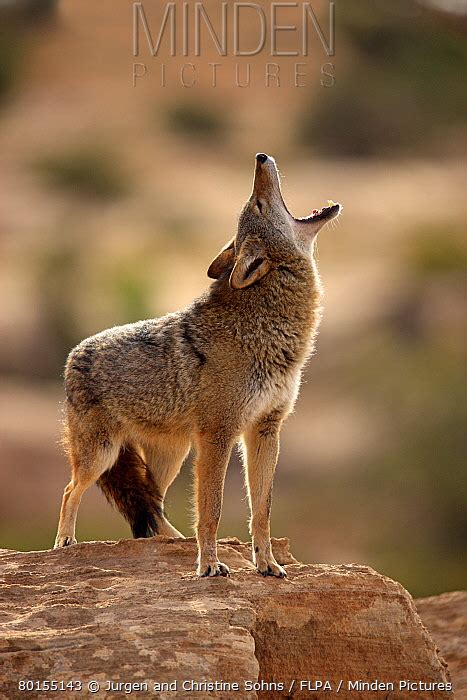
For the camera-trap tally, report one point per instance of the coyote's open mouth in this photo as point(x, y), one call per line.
point(267, 184)
point(328, 212)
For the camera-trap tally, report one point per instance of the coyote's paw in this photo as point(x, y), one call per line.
point(268, 566)
point(215, 568)
point(64, 542)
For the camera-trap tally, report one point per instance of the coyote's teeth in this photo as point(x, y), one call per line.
point(330, 203)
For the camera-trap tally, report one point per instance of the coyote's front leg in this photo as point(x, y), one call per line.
point(213, 452)
point(262, 450)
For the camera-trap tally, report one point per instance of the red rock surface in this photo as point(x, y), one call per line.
point(133, 611)
point(445, 616)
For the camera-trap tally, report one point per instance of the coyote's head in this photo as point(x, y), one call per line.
point(268, 235)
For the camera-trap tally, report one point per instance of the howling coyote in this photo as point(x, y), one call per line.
point(224, 370)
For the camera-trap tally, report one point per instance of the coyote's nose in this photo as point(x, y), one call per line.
point(261, 157)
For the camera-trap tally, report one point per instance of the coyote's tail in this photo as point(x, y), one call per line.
point(129, 486)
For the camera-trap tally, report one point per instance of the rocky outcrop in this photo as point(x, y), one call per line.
point(134, 612)
point(446, 618)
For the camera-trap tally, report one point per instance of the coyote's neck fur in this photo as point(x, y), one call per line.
point(273, 323)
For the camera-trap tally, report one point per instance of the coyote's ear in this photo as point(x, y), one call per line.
point(222, 262)
point(251, 265)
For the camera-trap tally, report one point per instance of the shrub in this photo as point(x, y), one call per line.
point(195, 120)
point(86, 172)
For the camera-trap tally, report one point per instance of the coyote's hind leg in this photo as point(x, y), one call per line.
point(91, 453)
point(165, 457)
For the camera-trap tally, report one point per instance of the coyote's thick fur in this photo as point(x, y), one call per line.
point(225, 369)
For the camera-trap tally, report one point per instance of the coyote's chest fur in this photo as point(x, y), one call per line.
point(211, 361)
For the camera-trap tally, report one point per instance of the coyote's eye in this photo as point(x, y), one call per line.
point(260, 206)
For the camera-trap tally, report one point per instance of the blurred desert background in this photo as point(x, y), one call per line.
point(114, 200)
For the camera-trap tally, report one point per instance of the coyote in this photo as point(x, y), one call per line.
point(226, 369)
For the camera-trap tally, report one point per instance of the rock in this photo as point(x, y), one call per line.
point(445, 616)
point(134, 612)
